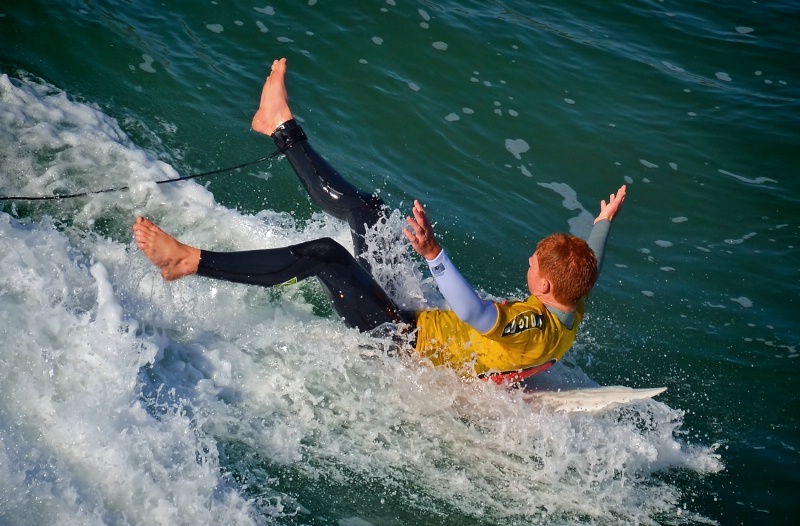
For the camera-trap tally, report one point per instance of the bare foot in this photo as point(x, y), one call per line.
point(173, 258)
point(274, 109)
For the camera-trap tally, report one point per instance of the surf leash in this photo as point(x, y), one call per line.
point(122, 188)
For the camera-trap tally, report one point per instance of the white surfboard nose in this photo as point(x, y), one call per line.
point(591, 399)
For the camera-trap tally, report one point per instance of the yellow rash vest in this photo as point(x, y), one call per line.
point(526, 337)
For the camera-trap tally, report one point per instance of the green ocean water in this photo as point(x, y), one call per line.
point(509, 120)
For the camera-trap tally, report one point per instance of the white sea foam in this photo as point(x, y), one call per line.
point(757, 180)
point(125, 399)
point(743, 301)
point(517, 147)
point(147, 64)
point(581, 224)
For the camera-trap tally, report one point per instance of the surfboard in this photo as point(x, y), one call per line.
point(591, 398)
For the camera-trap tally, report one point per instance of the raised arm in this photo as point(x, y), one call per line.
point(478, 313)
point(602, 224)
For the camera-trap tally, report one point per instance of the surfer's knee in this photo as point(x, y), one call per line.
point(323, 249)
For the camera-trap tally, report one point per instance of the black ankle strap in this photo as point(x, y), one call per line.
point(287, 134)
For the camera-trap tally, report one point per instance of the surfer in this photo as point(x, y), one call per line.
point(504, 341)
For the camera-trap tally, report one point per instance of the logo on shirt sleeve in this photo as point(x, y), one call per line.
point(438, 270)
point(523, 322)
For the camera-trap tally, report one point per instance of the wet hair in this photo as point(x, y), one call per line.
point(569, 264)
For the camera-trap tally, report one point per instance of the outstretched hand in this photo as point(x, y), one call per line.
point(610, 209)
point(420, 233)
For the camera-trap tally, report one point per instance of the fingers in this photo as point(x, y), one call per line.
point(411, 238)
point(420, 221)
point(420, 216)
point(420, 234)
point(615, 199)
point(419, 230)
point(415, 232)
point(620, 196)
point(610, 208)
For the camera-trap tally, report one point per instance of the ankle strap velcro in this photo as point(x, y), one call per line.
point(287, 134)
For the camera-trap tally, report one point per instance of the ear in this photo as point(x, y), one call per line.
point(542, 286)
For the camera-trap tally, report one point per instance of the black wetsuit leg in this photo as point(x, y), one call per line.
point(355, 295)
point(327, 188)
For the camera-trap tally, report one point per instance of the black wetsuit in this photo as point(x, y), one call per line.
point(355, 295)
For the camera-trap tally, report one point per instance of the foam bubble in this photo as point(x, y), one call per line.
point(517, 147)
point(580, 225)
point(147, 64)
point(743, 301)
point(757, 180)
